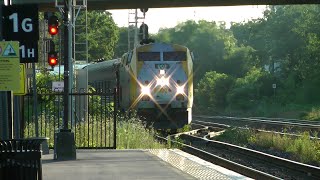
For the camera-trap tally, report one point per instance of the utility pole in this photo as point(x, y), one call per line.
point(64, 142)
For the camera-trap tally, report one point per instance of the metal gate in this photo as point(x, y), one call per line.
point(92, 117)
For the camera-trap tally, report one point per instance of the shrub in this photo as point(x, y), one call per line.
point(314, 114)
point(236, 136)
point(249, 90)
point(212, 90)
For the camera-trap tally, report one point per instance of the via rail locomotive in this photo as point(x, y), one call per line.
point(155, 79)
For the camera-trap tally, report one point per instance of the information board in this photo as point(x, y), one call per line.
point(9, 66)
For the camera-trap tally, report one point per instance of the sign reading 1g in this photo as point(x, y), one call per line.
point(21, 23)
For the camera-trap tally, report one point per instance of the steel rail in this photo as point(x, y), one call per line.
point(310, 125)
point(287, 120)
point(309, 170)
point(247, 171)
point(258, 130)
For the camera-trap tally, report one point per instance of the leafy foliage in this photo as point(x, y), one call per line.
point(213, 89)
point(122, 44)
point(247, 91)
point(103, 34)
point(289, 37)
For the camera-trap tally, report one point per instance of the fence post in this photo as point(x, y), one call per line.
point(17, 116)
point(115, 107)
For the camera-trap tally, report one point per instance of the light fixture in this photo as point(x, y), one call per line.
point(180, 89)
point(145, 90)
point(163, 81)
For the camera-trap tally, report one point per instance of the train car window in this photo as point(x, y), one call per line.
point(148, 56)
point(175, 56)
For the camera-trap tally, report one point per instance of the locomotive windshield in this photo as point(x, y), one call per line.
point(174, 56)
point(148, 56)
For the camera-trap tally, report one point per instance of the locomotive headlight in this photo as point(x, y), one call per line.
point(180, 89)
point(145, 90)
point(163, 81)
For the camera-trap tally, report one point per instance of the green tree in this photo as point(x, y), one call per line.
point(249, 90)
point(103, 34)
point(214, 46)
point(288, 37)
point(122, 44)
point(213, 89)
point(238, 62)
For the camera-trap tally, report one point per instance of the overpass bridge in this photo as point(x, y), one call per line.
point(49, 5)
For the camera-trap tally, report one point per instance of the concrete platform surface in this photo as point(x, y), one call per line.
point(110, 164)
point(155, 164)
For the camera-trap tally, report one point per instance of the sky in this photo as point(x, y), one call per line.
point(157, 18)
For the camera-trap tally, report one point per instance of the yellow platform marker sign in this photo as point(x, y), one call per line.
point(9, 66)
point(22, 74)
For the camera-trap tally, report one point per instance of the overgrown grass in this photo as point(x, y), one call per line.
point(314, 114)
point(302, 149)
point(236, 136)
point(98, 132)
point(132, 134)
point(185, 128)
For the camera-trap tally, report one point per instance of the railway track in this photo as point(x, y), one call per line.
point(245, 161)
point(257, 130)
point(273, 124)
point(287, 120)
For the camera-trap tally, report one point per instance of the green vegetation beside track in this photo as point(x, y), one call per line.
point(302, 148)
point(131, 133)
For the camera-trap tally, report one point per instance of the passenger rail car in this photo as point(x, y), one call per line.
point(156, 80)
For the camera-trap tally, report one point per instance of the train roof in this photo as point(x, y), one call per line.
point(161, 46)
point(102, 64)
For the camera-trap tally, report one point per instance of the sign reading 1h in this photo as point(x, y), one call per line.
point(21, 23)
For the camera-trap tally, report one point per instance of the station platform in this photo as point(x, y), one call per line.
point(155, 164)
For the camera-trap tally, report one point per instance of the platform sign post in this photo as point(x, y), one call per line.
point(22, 75)
point(9, 66)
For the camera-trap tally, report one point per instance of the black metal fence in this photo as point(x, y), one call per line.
point(92, 115)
